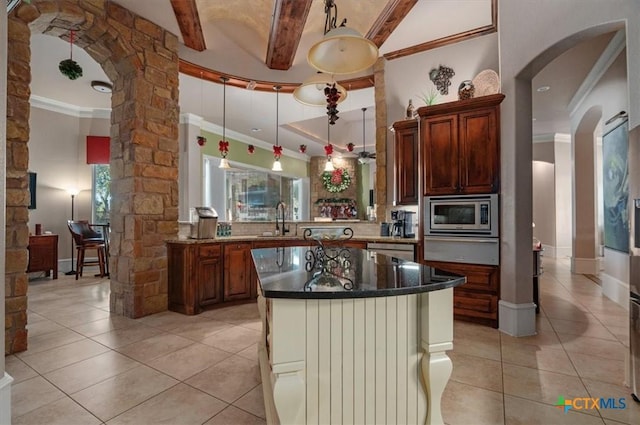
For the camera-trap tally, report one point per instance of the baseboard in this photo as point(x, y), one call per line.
point(5, 399)
point(585, 265)
point(556, 251)
point(517, 319)
point(616, 290)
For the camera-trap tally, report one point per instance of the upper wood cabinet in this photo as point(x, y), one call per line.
point(461, 146)
point(406, 162)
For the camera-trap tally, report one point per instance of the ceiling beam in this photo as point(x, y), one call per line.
point(390, 17)
point(189, 21)
point(289, 18)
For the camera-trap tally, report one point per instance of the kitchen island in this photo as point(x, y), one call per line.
point(351, 336)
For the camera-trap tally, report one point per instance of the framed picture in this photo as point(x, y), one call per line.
point(615, 187)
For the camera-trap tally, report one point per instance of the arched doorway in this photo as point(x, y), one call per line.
point(524, 52)
point(141, 60)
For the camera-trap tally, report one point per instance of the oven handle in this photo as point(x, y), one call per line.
point(460, 239)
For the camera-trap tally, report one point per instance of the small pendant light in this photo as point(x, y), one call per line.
point(223, 145)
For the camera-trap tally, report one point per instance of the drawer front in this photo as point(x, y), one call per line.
point(475, 305)
point(210, 250)
point(479, 277)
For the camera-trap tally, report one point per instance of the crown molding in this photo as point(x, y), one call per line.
point(67, 108)
point(552, 137)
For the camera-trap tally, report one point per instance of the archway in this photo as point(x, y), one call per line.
point(516, 309)
point(141, 60)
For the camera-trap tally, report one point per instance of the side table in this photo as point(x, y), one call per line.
point(43, 254)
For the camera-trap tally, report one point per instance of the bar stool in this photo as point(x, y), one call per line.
point(86, 238)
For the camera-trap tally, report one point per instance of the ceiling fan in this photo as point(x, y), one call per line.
point(364, 156)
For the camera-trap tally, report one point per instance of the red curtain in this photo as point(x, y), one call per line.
point(98, 151)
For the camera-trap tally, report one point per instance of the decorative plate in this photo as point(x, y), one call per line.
point(486, 82)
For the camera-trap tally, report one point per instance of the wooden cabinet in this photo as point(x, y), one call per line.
point(43, 254)
point(209, 276)
point(195, 277)
point(461, 146)
point(237, 271)
point(406, 162)
point(476, 300)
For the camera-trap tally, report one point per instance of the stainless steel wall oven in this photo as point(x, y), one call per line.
point(462, 229)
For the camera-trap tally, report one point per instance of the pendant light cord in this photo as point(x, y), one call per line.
point(224, 107)
point(363, 136)
point(277, 89)
point(71, 44)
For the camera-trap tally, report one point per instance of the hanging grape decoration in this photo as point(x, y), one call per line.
point(441, 77)
point(333, 96)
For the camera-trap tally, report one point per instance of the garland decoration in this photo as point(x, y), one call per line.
point(336, 181)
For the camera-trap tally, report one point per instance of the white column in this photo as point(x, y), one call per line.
point(5, 379)
point(190, 165)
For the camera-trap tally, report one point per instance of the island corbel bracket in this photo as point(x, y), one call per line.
point(436, 317)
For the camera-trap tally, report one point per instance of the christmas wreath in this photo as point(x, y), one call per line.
point(336, 181)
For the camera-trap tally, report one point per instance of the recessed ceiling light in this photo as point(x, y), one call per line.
point(101, 86)
point(543, 89)
point(255, 129)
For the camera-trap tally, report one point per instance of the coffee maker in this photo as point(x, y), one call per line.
point(402, 224)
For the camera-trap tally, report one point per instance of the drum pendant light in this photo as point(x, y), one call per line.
point(311, 91)
point(342, 50)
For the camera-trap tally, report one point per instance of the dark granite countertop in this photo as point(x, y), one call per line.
point(251, 238)
point(297, 272)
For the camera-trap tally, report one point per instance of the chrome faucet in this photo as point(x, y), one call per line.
point(280, 207)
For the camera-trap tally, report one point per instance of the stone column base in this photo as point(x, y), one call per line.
point(517, 319)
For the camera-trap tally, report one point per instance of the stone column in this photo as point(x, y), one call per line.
point(141, 60)
point(381, 141)
point(17, 192)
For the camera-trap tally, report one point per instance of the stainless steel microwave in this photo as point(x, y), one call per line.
point(460, 215)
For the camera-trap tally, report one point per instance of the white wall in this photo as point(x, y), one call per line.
point(57, 153)
point(406, 78)
point(552, 199)
point(610, 93)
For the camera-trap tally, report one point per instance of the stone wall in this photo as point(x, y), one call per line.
point(316, 169)
point(141, 60)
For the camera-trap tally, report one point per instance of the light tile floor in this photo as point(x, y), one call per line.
point(85, 366)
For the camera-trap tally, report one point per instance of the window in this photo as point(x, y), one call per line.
point(101, 194)
point(251, 195)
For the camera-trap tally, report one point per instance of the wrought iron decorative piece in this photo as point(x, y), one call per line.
point(441, 77)
point(329, 261)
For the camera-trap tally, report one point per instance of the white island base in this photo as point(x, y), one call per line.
point(378, 360)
